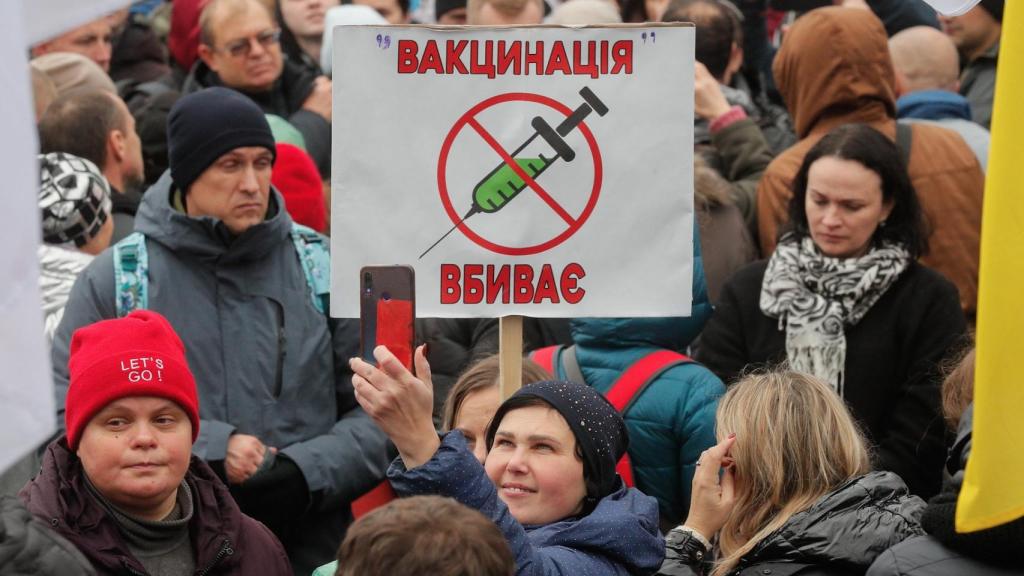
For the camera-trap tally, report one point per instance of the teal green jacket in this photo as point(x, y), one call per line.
point(673, 420)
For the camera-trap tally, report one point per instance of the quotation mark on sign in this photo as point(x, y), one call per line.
point(644, 36)
point(383, 42)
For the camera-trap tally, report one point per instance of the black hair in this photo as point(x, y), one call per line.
point(79, 122)
point(873, 150)
point(716, 30)
point(289, 45)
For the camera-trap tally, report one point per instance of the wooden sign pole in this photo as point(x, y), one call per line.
point(510, 354)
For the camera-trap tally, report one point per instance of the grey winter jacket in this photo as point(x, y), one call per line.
point(978, 84)
point(266, 362)
point(926, 556)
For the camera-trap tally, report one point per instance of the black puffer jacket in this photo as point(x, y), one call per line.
point(840, 535)
point(943, 552)
point(28, 546)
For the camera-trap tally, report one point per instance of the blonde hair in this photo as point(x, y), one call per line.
point(481, 376)
point(795, 442)
point(958, 389)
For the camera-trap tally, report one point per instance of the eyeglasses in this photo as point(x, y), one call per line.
point(243, 46)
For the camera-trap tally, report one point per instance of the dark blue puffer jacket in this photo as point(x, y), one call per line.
point(673, 420)
point(620, 537)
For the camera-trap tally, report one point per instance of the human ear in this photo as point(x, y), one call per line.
point(116, 145)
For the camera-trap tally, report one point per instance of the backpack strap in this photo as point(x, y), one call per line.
point(628, 387)
point(904, 140)
point(315, 257)
point(545, 357)
point(551, 357)
point(572, 365)
point(131, 274)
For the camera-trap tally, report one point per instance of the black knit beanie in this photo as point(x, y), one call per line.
point(598, 427)
point(993, 7)
point(205, 125)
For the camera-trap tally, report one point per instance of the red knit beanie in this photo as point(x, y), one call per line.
point(138, 355)
point(296, 177)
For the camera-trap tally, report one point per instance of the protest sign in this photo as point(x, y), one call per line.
point(542, 171)
point(26, 392)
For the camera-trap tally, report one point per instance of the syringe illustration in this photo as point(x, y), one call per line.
point(534, 156)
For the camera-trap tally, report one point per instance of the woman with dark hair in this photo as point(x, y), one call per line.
point(844, 299)
point(548, 481)
point(302, 30)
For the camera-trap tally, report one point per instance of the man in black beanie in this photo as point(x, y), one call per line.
point(976, 34)
point(216, 253)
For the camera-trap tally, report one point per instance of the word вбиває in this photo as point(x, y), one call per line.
point(510, 284)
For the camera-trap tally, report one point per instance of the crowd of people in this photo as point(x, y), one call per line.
point(812, 416)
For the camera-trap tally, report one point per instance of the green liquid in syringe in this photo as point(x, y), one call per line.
point(503, 184)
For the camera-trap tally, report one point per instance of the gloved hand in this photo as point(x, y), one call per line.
point(276, 494)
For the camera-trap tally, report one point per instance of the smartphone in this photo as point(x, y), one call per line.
point(387, 311)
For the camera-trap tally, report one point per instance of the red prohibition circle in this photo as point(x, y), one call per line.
point(442, 184)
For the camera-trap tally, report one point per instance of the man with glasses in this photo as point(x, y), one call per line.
point(239, 48)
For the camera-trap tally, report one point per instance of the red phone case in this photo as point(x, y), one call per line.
point(388, 311)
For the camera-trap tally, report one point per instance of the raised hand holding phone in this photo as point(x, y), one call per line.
point(399, 402)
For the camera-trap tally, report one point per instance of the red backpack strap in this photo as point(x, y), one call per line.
point(627, 388)
point(373, 499)
point(625, 471)
point(546, 357)
point(633, 381)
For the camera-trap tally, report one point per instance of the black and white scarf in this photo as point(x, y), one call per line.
point(815, 297)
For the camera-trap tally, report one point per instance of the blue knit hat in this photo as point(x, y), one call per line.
point(205, 125)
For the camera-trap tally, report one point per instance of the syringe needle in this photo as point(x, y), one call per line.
point(468, 214)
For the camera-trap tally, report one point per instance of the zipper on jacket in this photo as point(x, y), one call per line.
point(282, 350)
point(225, 551)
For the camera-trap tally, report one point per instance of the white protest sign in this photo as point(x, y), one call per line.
point(27, 416)
point(540, 171)
point(46, 19)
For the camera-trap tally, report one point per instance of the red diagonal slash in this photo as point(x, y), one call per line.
point(521, 173)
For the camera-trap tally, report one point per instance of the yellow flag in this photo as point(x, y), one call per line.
point(993, 490)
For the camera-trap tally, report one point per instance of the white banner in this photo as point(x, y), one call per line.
point(46, 19)
point(26, 390)
point(540, 171)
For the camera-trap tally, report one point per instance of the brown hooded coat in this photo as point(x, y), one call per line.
point(834, 69)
